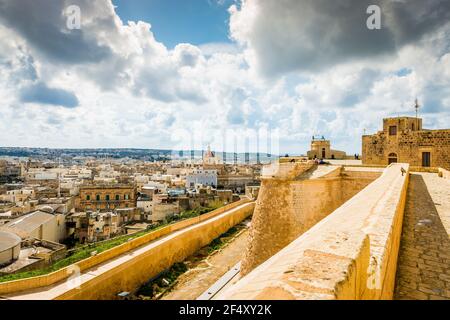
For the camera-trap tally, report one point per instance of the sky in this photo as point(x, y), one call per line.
point(267, 74)
point(173, 21)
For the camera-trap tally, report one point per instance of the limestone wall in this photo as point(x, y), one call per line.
point(129, 275)
point(287, 208)
point(286, 170)
point(350, 254)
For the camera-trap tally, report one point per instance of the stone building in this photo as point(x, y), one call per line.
point(321, 149)
point(92, 226)
point(106, 197)
point(210, 157)
point(404, 140)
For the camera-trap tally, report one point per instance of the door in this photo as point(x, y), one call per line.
point(323, 153)
point(426, 159)
point(392, 158)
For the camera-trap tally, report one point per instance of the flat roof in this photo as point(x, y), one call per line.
point(27, 223)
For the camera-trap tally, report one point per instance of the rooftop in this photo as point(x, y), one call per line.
point(8, 240)
point(25, 224)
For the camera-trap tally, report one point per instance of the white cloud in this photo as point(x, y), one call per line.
point(282, 72)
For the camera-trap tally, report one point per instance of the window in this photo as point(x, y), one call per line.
point(392, 158)
point(107, 197)
point(88, 197)
point(127, 197)
point(97, 197)
point(392, 130)
point(117, 197)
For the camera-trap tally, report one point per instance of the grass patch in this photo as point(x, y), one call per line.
point(219, 242)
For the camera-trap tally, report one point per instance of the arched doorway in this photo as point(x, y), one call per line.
point(392, 158)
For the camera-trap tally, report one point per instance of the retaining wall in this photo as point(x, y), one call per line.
point(176, 247)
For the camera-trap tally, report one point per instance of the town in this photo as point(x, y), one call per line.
point(55, 207)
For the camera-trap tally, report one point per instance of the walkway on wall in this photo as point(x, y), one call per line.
point(423, 270)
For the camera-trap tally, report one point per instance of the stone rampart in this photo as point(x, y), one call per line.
point(287, 207)
point(350, 254)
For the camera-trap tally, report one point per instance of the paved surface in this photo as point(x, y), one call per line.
point(423, 270)
point(53, 291)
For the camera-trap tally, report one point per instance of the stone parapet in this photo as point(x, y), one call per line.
point(286, 170)
point(443, 173)
point(350, 254)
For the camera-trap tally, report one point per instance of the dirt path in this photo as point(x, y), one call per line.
point(194, 282)
point(423, 270)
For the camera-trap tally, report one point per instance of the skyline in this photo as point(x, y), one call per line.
point(305, 68)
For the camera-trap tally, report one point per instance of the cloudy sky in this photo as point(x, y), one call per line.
point(175, 74)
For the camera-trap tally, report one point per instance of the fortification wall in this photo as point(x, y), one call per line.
point(129, 275)
point(351, 254)
point(287, 208)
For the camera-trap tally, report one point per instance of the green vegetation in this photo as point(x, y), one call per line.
point(194, 212)
point(83, 252)
point(219, 242)
point(163, 281)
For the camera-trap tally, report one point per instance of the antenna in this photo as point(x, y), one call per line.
point(417, 106)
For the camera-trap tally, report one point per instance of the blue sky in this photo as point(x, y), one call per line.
point(180, 21)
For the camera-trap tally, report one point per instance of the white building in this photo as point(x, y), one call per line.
point(145, 205)
point(201, 177)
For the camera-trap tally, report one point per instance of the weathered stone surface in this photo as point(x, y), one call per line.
point(289, 205)
point(350, 254)
point(423, 259)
